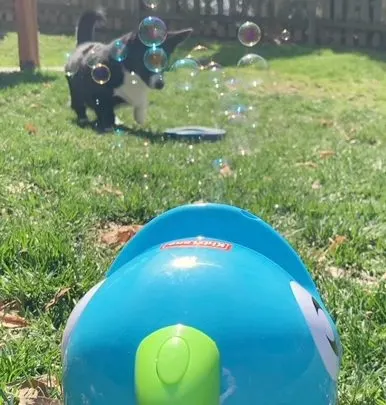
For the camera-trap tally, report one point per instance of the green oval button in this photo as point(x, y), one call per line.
point(173, 360)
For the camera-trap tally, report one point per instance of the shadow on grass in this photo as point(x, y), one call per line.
point(13, 79)
point(228, 53)
point(123, 130)
point(154, 137)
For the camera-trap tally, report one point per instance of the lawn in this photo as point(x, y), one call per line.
point(311, 161)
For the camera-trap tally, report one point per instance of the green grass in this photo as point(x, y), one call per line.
point(311, 101)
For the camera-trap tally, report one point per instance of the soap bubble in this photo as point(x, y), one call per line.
point(186, 70)
point(249, 34)
point(199, 53)
point(237, 112)
point(220, 164)
point(234, 84)
point(133, 78)
point(254, 61)
point(101, 74)
point(71, 67)
point(119, 52)
point(285, 35)
point(216, 73)
point(93, 57)
point(152, 31)
point(258, 64)
point(155, 59)
point(151, 3)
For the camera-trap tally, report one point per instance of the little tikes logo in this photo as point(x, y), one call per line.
point(201, 243)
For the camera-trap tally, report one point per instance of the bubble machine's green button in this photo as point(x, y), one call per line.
point(177, 365)
point(173, 360)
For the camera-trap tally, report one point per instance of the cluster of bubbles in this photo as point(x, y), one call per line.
point(229, 89)
point(152, 32)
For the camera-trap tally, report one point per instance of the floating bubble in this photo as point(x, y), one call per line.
point(155, 59)
point(151, 3)
point(258, 64)
point(70, 67)
point(93, 60)
point(220, 163)
point(234, 84)
point(254, 84)
point(119, 52)
point(70, 70)
point(216, 73)
point(152, 31)
point(198, 53)
point(101, 74)
point(133, 78)
point(223, 167)
point(238, 113)
point(253, 60)
point(249, 34)
point(93, 57)
point(285, 35)
point(186, 70)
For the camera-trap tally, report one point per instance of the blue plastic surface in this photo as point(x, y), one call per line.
point(223, 222)
point(241, 284)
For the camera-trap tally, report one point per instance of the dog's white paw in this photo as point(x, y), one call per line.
point(140, 115)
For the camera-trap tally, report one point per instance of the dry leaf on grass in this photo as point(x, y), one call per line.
point(244, 152)
point(31, 129)
point(226, 171)
point(326, 123)
point(60, 294)
point(30, 396)
point(316, 185)
point(108, 189)
point(310, 164)
point(120, 235)
point(336, 272)
point(325, 154)
point(365, 280)
point(10, 317)
point(336, 242)
point(36, 391)
point(10, 305)
point(43, 384)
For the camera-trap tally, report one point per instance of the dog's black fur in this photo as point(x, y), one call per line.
point(103, 99)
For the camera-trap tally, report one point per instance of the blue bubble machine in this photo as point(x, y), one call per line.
point(206, 305)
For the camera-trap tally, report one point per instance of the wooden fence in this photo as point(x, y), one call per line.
point(353, 23)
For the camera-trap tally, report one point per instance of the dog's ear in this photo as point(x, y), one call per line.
point(174, 38)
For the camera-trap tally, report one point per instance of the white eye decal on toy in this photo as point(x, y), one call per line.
point(76, 313)
point(320, 328)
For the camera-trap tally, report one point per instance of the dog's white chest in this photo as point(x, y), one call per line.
point(133, 90)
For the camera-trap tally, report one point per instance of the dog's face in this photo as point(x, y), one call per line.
point(136, 52)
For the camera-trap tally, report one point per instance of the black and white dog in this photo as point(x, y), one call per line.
point(129, 79)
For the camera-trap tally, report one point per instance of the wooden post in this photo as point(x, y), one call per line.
point(26, 15)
